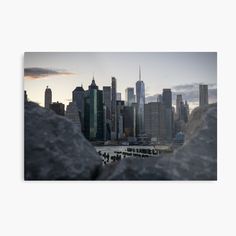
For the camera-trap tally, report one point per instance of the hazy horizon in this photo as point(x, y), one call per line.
point(64, 71)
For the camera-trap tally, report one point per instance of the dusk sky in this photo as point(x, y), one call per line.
point(62, 72)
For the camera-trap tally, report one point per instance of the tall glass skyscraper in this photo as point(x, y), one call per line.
point(94, 117)
point(140, 93)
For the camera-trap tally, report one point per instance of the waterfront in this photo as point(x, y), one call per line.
point(111, 154)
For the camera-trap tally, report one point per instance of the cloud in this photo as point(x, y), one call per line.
point(190, 92)
point(38, 72)
point(190, 87)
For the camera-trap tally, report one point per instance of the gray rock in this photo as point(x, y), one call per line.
point(55, 149)
point(195, 160)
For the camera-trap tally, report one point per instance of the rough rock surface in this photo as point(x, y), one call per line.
point(195, 160)
point(55, 149)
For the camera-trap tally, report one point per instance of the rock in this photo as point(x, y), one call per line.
point(55, 148)
point(195, 160)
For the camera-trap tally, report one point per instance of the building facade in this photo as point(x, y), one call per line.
point(93, 113)
point(203, 95)
point(113, 109)
point(78, 98)
point(129, 96)
point(72, 113)
point(47, 97)
point(58, 108)
point(140, 96)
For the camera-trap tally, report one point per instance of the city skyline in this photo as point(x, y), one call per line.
point(62, 72)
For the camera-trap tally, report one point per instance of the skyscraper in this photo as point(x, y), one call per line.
point(93, 113)
point(58, 108)
point(151, 120)
point(78, 98)
point(129, 96)
point(107, 111)
point(118, 96)
point(113, 109)
point(25, 96)
point(167, 98)
point(129, 121)
point(167, 103)
point(203, 95)
point(140, 93)
point(72, 113)
point(120, 115)
point(47, 98)
point(179, 102)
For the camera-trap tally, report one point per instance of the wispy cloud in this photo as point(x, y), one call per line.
point(190, 92)
point(39, 73)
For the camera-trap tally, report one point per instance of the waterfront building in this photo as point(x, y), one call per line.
point(151, 120)
point(47, 97)
point(203, 95)
point(129, 121)
point(58, 108)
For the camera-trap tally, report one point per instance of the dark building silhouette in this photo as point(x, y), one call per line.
point(93, 113)
point(120, 115)
point(113, 109)
point(25, 96)
point(78, 95)
point(58, 108)
point(107, 111)
point(203, 95)
point(129, 121)
point(47, 98)
point(167, 103)
point(72, 113)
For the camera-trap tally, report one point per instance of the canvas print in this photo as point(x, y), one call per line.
point(120, 116)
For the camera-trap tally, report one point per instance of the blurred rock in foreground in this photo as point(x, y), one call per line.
point(55, 149)
point(195, 160)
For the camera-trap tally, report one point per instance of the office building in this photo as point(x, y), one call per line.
point(129, 96)
point(167, 103)
point(203, 95)
point(93, 113)
point(118, 96)
point(140, 95)
point(129, 121)
point(72, 113)
point(120, 112)
point(58, 108)
point(151, 120)
point(78, 98)
point(113, 109)
point(47, 98)
point(107, 111)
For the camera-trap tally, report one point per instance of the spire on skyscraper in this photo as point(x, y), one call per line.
point(139, 73)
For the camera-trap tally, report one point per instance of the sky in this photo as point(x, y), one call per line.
point(63, 71)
